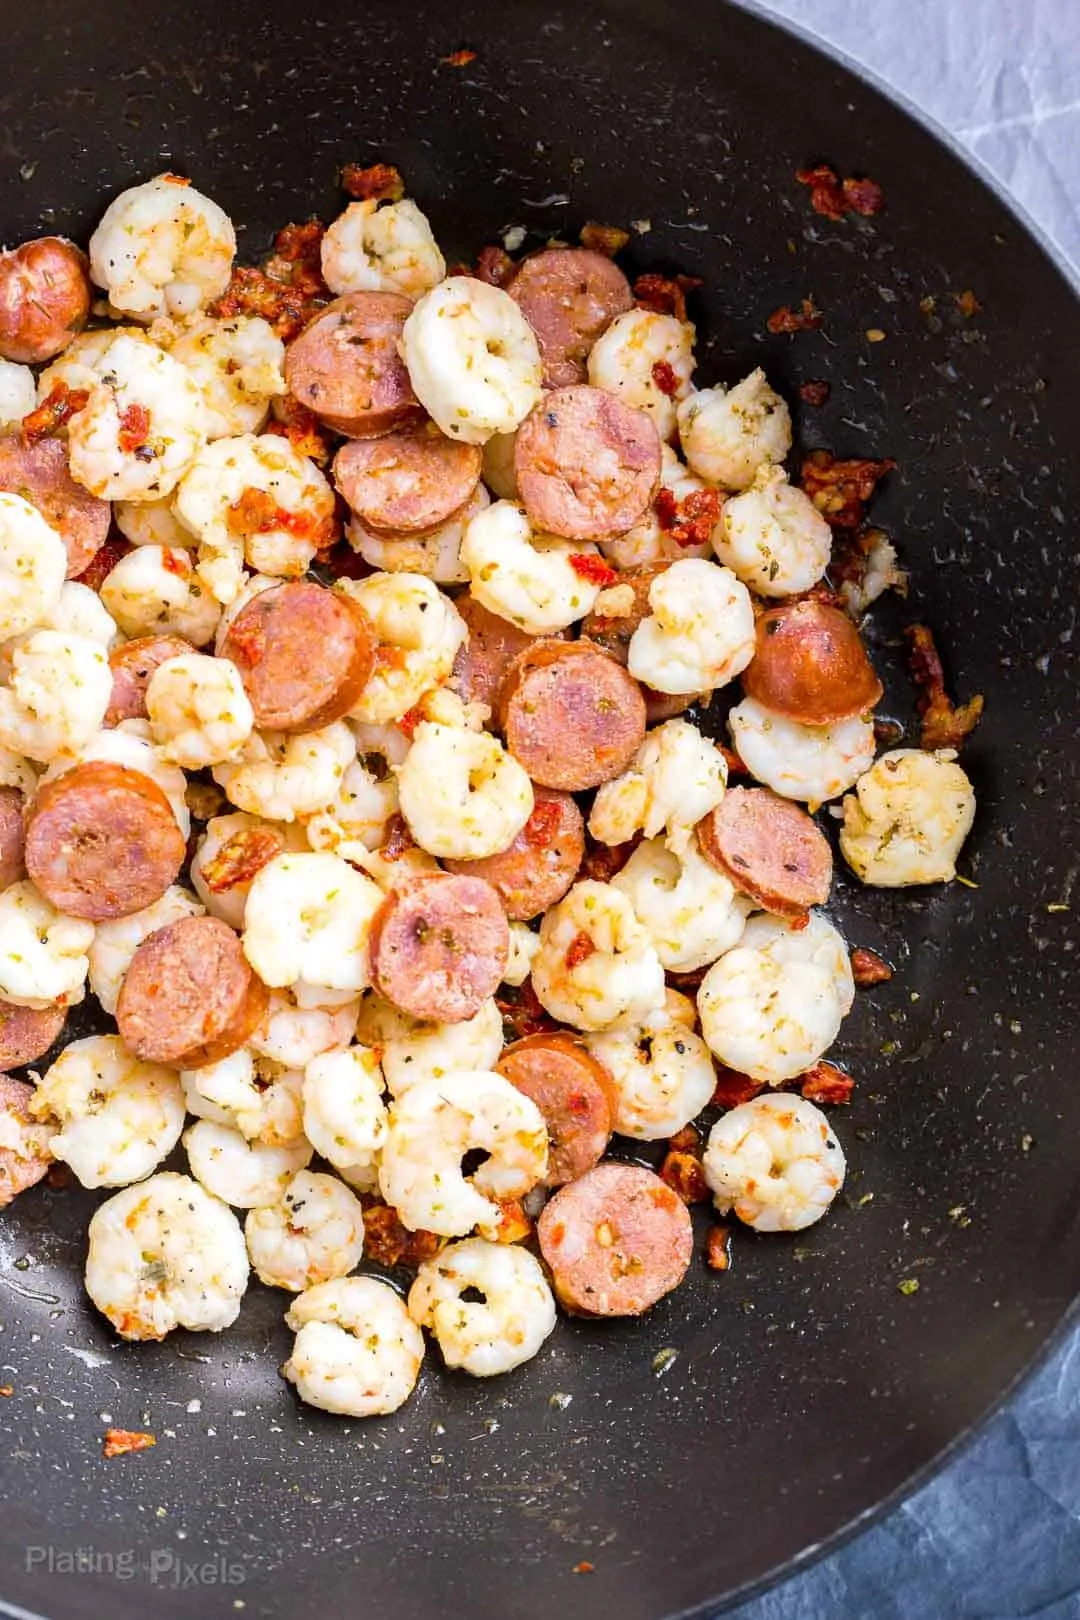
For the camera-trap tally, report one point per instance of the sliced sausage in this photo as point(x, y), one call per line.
point(44, 298)
point(189, 996)
point(439, 945)
point(586, 464)
point(569, 296)
point(12, 837)
point(407, 483)
point(810, 665)
point(483, 660)
point(613, 633)
point(102, 841)
point(574, 1091)
point(304, 654)
point(616, 1241)
point(39, 473)
point(571, 714)
point(770, 849)
point(541, 863)
point(132, 664)
point(26, 1033)
point(17, 1173)
point(345, 365)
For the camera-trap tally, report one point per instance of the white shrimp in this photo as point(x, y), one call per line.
point(624, 356)
point(880, 572)
point(812, 763)
point(596, 963)
point(472, 358)
point(154, 590)
point(419, 631)
point(282, 777)
point(524, 945)
point(381, 248)
point(116, 942)
point(33, 563)
point(267, 474)
point(677, 777)
point(498, 1332)
point(152, 523)
point(129, 744)
point(293, 1036)
point(662, 1070)
point(434, 1125)
point(523, 576)
point(165, 1254)
point(463, 796)
point(57, 693)
point(499, 471)
point(141, 428)
point(357, 1350)
point(17, 393)
point(85, 358)
point(308, 916)
point(314, 1234)
point(700, 632)
point(238, 365)
point(199, 712)
point(118, 1116)
point(775, 1162)
point(344, 1113)
point(647, 542)
point(249, 1093)
point(773, 536)
point(907, 819)
point(43, 954)
point(81, 612)
point(229, 902)
point(727, 435)
point(358, 817)
point(690, 911)
point(436, 555)
point(410, 1050)
point(242, 1173)
point(815, 940)
point(162, 248)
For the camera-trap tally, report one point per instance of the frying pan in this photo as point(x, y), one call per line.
point(808, 1387)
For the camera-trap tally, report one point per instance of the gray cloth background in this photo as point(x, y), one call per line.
point(996, 1536)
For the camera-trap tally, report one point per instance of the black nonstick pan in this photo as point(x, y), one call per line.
point(608, 1478)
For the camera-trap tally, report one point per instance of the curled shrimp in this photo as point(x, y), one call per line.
point(249, 1093)
point(699, 633)
point(773, 537)
point(162, 248)
point(677, 776)
point(494, 1334)
point(292, 1035)
point(690, 911)
point(375, 247)
point(142, 426)
point(462, 794)
point(344, 1113)
point(472, 358)
point(663, 1071)
point(727, 435)
point(240, 1172)
point(625, 357)
point(525, 577)
point(308, 917)
point(596, 963)
point(118, 1116)
point(56, 696)
point(282, 777)
point(907, 819)
point(199, 712)
point(43, 954)
point(33, 563)
point(238, 366)
point(775, 1162)
point(411, 1051)
point(154, 590)
point(812, 763)
point(314, 1234)
point(357, 1350)
point(419, 632)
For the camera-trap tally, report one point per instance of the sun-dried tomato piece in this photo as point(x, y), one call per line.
point(579, 950)
point(605, 239)
point(833, 197)
point(841, 489)
point(303, 430)
point(807, 318)
point(868, 968)
point(664, 295)
point(688, 1140)
point(134, 427)
point(458, 59)
point(118, 1442)
point(718, 1248)
point(543, 824)
point(103, 562)
point(389, 1243)
point(257, 512)
point(601, 861)
point(944, 724)
point(684, 1174)
point(733, 1088)
point(399, 840)
point(863, 196)
point(967, 303)
point(734, 761)
point(814, 393)
point(253, 292)
point(588, 566)
point(55, 412)
point(691, 521)
point(825, 1083)
point(240, 857)
point(494, 265)
point(521, 1011)
point(663, 375)
point(373, 182)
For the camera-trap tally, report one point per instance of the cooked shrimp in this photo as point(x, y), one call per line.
point(727, 435)
point(813, 763)
point(152, 523)
point(690, 911)
point(141, 428)
point(907, 819)
point(499, 472)
point(230, 853)
point(381, 248)
point(162, 248)
point(308, 916)
point(624, 359)
point(249, 1093)
point(411, 1051)
point(43, 954)
point(81, 612)
point(238, 366)
point(358, 817)
point(647, 542)
point(815, 941)
point(118, 1117)
point(462, 794)
point(436, 555)
point(344, 1113)
point(524, 945)
point(33, 562)
point(282, 777)
point(154, 590)
point(242, 1173)
point(419, 631)
point(663, 1071)
point(525, 577)
point(773, 537)
point(497, 1332)
point(314, 1234)
point(199, 712)
point(116, 942)
point(293, 1036)
point(58, 690)
point(676, 778)
point(17, 393)
point(472, 358)
point(596, 963)
point(881, 572)
point(165, 1254)
point(434, 1124)
point(775, 1162)
point(700, 632)
point(85, 358)
point(357, 1350)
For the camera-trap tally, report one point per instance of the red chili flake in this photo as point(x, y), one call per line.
point(841, 489)
point(808, 318)
point(103, 562)
point(833, 197)
point(7, 1390)
point(240, 857)
point(814, 393)
point(664, 295)
point(584, 1568)
point(733, 1088)
point(967, 303)
point(134, 427)
point(684, 1174)
point(718, 1248)
point(605, 239)
point(868, 968)
point(174, 179)
point(691, 521)
point(399, 840)
point(302, 428)
point(375, 182)
point(55, 412)
point(494, 265)
point(389, 1243)
point(521, 1011)
point(175, 562)
point(663, 375)
point(579, 950)
point(118, 1442)
point(410, 720)
point(592, 568)
point(944, 725)
point(247, 638)
point(458, 59)
point(825, 1083)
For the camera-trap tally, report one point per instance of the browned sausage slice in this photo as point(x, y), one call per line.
point(39, 473)
point(569, 296)
point(102, 841)
point(189, 996)
point(407, 483)
point(345, 365)
point(132, 664)
point(810, 665)
point(541, 863)
point(574, 1091)
point(616, 1241)
point(770, 849)
point(613, 632)
point(570, 714)
point(44, 298)
point(304, 655)
point(439, 946)
point(483, 660)
point(586, 464)
point(26, 1033)
point(18, 1173)
point(12, 837)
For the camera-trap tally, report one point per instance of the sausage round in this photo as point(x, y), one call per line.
point(541, 863)
point(574, 1091)
point(39, 473)
point(102, 841)
point(571, 714)
point(483, 660)
point(587, 465)
point(189, 996)
point(770, 849)
point(407, 483)
point(345, 365)
point(810, 665)
point(439, 946)
point(44, 298)
point(614, 635)
point(26, 1033)
point(12, 837)
point(569, 296)
point(17, 1173)
point(616, 1241)
point(132, 664)
point(304, 654)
